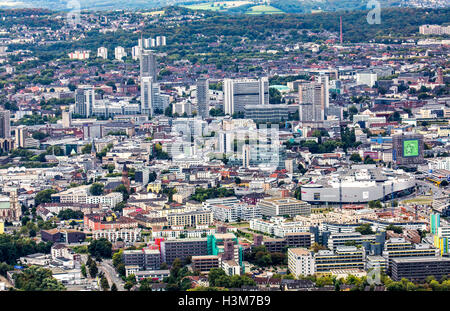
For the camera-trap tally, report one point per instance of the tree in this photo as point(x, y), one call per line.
point(355, 157)
point(83, 270)
point(122, 189)
point(375, 204)
point(130, 282)
point(114, 287)
point(100, 248)
point(97, 189)
point(86, 149)
point(67, 214)
point(145, 285)
point(44, 196)
point(93, 270)
point(37, 279)
point(396, 229)
point(368, 160)
point(365, 229)
point(104, 283)
point(274, 96)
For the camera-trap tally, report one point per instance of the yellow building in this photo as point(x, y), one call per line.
point(2, 227)
point(154, 187)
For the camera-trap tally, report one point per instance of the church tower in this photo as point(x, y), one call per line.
point(125, 179)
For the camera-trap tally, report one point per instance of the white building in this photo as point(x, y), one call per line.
point(126, 235)
point(119, 53)
point(300, 262)
point(241, 92)
point(102, 52)
point(366, 78)
point(80, 55)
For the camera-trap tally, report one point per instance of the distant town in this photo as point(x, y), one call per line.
point(190, 150)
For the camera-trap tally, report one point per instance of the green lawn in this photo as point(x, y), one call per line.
point(225, 5)
point(216, 6)
point(263, 9)
point(419, 200)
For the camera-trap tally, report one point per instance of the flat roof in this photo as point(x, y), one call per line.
point(420, 259)
point(299, 251)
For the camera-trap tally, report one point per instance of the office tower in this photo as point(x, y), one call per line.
point(146, 96)
point(305, 112)
point(136, 52)
point(147, 43)
point(408, 149)
point(84, 100)
point(246, 156)
point(226, 141)
point(325, 81)
point(312, 93)
point(148, 65)
point(102, 52)
point(203, 97)
point(21, 136)
point(119, 53)
point(151, 98)
point(241, 92)
point(66, 119)
point(5, 123)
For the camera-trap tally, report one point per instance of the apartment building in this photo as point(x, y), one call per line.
point(301, 262)
point(183, 249)
point(205, 263)
point(190, 219)
point(146, 259)
point(126, 235)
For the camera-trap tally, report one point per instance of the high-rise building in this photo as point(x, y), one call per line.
point(313, 93)
point(21, 135)
point(136, 52)
point(102, 52)
point(408, 149)
point(434, 30)
point(148, 64)
point(152, 101)
point(306, 112)
point(66, 119)
point(5, 124)
point(146, 95)
point(119, 53)
point(241, 92)
point(203, 97)
point(325, 81)
point(84, 100)
point(300, 261)
point(435, 222)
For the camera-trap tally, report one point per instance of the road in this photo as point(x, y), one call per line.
point(111, 274)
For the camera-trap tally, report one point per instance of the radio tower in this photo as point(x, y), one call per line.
point(341, 30)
